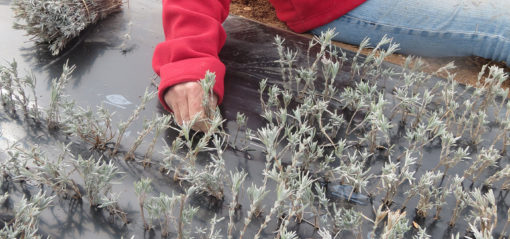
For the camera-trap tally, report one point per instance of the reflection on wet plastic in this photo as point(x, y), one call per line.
point(345, 192)
point(118, 99)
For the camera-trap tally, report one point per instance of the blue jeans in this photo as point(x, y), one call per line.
point(436, 28)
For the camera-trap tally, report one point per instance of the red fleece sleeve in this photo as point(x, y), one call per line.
point(193, 38)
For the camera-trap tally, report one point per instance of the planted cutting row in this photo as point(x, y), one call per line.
point(317, 140)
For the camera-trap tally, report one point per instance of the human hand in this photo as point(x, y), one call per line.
point(185, 100)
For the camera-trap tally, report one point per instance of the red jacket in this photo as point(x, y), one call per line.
point(194, 35)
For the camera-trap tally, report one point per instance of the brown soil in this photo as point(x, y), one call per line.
point(258, 10)
point(467, 67)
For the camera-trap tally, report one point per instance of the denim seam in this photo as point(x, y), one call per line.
point(431, 31)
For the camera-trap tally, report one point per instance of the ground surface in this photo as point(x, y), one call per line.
point(105, 72)
point(467, 67)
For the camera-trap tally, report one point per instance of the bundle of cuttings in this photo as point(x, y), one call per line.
point(57, 22)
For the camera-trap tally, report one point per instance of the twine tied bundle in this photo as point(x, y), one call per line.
point(56, 22)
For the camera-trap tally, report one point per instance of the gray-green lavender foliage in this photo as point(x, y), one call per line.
point(347, 220)
point(15, 92)
point(98, 177)
point(484, 213)
point(212, 232)
point(295, 138)
point(161, 124)
point(422, 234)
point(502, 175)
point(7, 77)
point(461, 198)
point(292, 132)
point(308, 141)
point(56, 23)
point(26, 217)
point(12, 167)
point(256, 195)
point(237, 180)
point(428, 192)
point(207, 86)
point(161, 209)
point(123, 126)
point(396, 225)
point(208, 179)
point(172, 210)
point(391, 178)
point(486, 158)
point(95, 128)
point(54, 173)
point(142, 189)
point(57, 98)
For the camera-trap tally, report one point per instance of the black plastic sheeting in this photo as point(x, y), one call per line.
point(106, 75)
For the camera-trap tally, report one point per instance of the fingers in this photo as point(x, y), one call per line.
point(170, 100)
point(205, 124)
point(185, 100)
point(213, 102)
point(176, 98)
point(177, 114)
point(196, 108)
point(183, 110)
